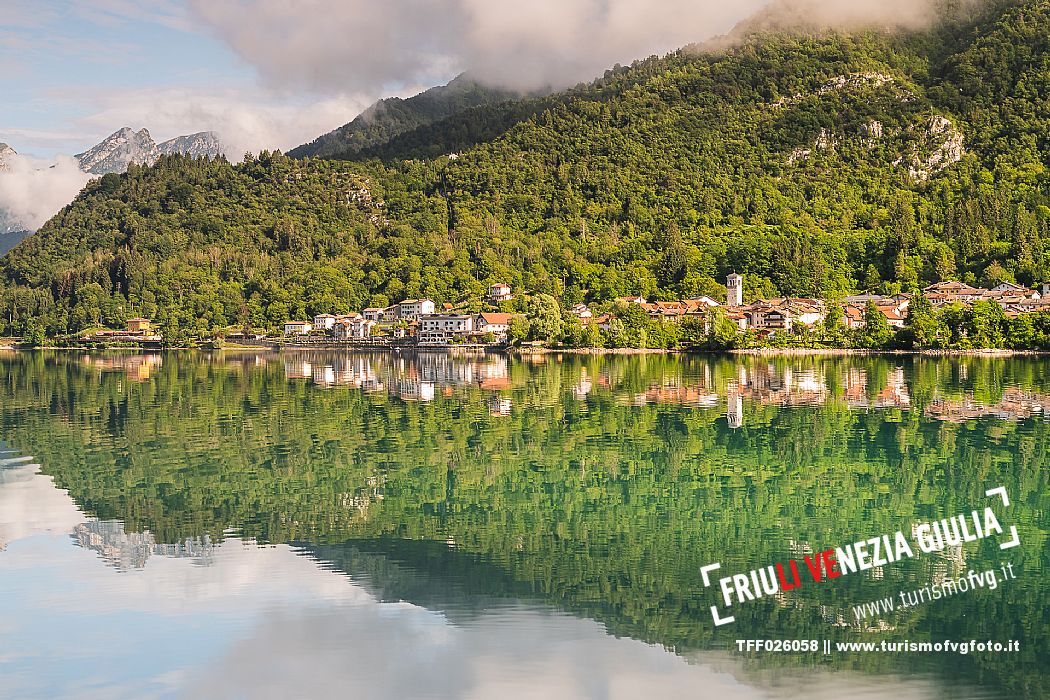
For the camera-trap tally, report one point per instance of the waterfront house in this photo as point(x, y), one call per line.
point(1011, 288)
point(293, 328)
point(853, 313)
point(894, 317)
point(374, 313)
point(497, 324)
point(440, 329)
point(324, 322)
point(353, 327)
point(604, 321)
point(784, 313)
point(581, 311)
point(952, 291)
point(138, 325)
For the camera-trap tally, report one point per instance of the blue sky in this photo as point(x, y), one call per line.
point(64, 62)
point(74, 71)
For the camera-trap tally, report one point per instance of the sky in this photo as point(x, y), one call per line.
point(74, 71)
point(274, 74)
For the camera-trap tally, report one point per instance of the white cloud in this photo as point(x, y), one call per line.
point(360, 45)
point(245, 119)
point(32, 191)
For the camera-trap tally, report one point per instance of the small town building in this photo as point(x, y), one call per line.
point(138, 325)
point(324, 322)
point(374, 313)
point(355, 327)
point(411, 309)
point(499, 292)
point(497, 324)
point(784, 313)
point(439, 329)
point(707, 302)
point(581, 311)
point(1018, 289)
point(293, 328)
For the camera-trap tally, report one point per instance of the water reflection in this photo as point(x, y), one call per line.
point(786, 383)
point(218, 631)
point(438, 517)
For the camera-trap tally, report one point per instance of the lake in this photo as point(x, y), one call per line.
point(195, 525)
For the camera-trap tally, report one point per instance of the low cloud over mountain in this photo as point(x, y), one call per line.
point(362, 46)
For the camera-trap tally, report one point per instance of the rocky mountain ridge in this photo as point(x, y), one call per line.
point(127, 146)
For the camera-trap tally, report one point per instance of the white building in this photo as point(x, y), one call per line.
point(499, 292)
point(324, 321)
point(497, 324)
point(297, 327)
point(353, 328)
point(735, 290)
point(373, 313)
point(442, 328)
point(411, 309)
point(581, 311)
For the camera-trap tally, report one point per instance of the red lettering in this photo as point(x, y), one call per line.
point(830, 564)
point(784, 585)
point(814, 567)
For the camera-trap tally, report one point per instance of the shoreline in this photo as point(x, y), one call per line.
point(541, 351)
point(846, 352)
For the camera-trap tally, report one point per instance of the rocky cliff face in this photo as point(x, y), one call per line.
point(118, 151)
point(127, 147)
point(200, 145)
point(5, 153)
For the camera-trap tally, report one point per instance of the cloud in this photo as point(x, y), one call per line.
point(365, 46)
point(32, 191)
point(246, 119)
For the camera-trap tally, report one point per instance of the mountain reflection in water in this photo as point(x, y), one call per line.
point(318, 525)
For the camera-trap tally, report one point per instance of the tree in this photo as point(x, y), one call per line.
point(724, 333)
point(592, 336)
point(876, 332)
point(672, 266)
point(925, 330)
point(834, 324)
point(34, 333)
point(519, 330)
point(544, 318)
point(985, 324)
point(572, 331)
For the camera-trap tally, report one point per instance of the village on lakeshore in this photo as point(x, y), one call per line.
point(500, 318)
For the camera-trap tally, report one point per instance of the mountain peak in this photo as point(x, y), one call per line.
point(119, 150)
point(126, 146)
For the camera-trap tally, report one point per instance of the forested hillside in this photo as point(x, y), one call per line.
point(393, 116)
point(815, 165)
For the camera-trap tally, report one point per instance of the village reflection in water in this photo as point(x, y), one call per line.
point(704, 384)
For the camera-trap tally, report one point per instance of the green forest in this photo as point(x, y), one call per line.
point(815, 165)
